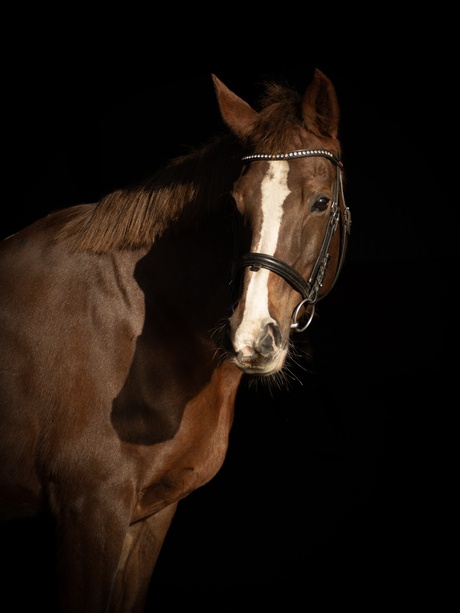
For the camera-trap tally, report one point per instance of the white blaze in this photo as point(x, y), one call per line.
point(256, 315)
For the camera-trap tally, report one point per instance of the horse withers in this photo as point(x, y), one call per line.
point(123, 344)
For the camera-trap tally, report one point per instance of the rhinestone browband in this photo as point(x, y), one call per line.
point(299, 153)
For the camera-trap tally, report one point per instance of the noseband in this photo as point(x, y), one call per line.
point(309, 290)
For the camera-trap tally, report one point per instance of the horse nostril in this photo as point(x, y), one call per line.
point(267, 341)
point(265, 345)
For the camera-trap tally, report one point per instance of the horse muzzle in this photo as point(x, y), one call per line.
point(261, 356)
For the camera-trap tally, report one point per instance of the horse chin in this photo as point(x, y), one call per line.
point(260, 366)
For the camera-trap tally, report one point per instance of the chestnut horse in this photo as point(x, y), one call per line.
point(118, 393)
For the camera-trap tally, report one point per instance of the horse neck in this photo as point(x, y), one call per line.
point(190, 267)
point(200, 241)
point(187, 269)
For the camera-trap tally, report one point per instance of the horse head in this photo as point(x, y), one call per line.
point(285, 196)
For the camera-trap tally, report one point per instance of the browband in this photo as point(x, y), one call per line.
point(290, 155)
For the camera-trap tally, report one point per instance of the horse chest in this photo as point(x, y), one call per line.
point(193, 457)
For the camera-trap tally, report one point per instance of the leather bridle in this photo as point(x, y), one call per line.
point(309, 290)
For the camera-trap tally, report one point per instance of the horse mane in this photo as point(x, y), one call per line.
point(279, 117)
point(131, 218)
point(281, 126)
point(192, 185)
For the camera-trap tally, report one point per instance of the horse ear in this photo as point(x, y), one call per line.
point(320, 107)
point(236, 113)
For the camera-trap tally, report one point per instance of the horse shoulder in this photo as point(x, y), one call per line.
point(69, 324)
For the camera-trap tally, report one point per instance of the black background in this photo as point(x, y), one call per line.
point(339, 490)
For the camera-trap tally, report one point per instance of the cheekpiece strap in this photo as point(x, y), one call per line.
point(292, 155)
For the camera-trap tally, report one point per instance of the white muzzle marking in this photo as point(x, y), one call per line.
point(256, 314)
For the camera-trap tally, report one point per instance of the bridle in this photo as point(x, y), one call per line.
point(309, 290)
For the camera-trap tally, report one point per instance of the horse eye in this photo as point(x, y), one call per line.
point(321, 204)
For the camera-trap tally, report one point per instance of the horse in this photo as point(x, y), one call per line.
point(128, 324)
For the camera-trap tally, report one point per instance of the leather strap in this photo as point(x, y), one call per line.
point(256, 261)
